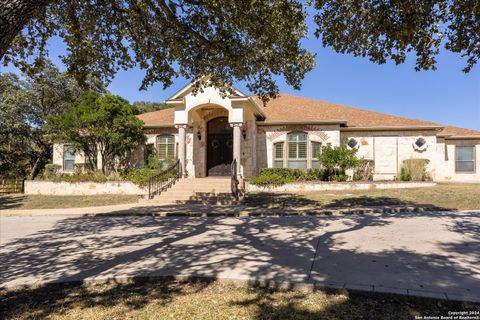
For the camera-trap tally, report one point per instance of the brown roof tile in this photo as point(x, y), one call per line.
point(457, 131)
point(292, 108)
point(162, 117)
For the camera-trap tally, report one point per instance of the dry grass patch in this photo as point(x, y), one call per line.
point(56, 202)
point(450, 196)
point(168, 299)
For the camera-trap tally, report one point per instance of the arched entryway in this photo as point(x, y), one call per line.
point(219, 147)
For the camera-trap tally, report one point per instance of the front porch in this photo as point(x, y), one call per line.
point(213, 130)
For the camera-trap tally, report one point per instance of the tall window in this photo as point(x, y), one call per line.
point(68, 158)
point(278, 155)
point(166, 146)
point(464, 159)
point(316, 148)
point(297, 150)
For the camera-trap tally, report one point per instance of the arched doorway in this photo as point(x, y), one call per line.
point(219, 147)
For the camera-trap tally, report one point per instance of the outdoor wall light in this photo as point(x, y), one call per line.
point(244, 134)
point(199, 135)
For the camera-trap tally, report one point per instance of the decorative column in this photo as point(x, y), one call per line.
point(181, 146)
point(237, 134)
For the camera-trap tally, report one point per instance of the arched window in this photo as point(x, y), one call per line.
point(166, 146)
point(297, 150)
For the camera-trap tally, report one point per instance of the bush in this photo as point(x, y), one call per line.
point(336, 160)
point(51, 170)
point(80, 168)
point(81, 177)
point(414, 170)
point(279, 176)
point(364, 171)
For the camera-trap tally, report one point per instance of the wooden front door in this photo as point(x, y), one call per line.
point(219, 147)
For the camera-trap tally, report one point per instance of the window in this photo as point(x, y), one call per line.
point(278, 155)
point(166, 146)
point(68, 158)
point(316, 149)
point(464, 159)
point(297, 150)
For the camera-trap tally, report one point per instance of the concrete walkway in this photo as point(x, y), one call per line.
point(433, 254)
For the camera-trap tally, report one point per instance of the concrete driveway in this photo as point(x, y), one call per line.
point(434, 254)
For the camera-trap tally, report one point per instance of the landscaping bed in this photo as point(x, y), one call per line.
point(195, 299)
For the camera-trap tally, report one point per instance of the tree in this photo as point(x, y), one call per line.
point(144, 106)
point(228, 40)
point(99, 124)
point(389, 29)
point(252, 41)
point(338, 159)
point(25, 105)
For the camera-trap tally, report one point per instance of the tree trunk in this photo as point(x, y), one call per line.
point(14, 15)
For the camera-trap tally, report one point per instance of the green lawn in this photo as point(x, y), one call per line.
point(164, 299)
point(451, 196)
point(56, 202)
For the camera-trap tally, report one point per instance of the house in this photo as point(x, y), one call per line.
point(206, 131)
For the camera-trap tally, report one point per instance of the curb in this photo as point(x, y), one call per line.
point(225, 211)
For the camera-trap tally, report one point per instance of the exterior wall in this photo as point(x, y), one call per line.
point(368, 148)
point(58, 156)
point(82, 188)
point(267, 136)
point(446, 161)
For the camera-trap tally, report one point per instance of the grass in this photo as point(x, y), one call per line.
point(449, 196)
point(169, 299)
point(12, 201)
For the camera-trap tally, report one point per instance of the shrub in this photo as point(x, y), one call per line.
point(364, 171)
point(336, 160)
point(414, 170)
point(51, 170)
point(96, 176)
point(80, 168)
point(279, 176)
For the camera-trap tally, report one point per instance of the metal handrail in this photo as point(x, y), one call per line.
point(164, 180)
point(234, 180)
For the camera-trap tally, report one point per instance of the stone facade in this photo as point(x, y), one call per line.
point(253, 137)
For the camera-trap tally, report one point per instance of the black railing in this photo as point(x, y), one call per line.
point(164, 180)
point(234, 180)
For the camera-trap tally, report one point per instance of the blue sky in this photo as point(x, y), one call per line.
point(446, 96)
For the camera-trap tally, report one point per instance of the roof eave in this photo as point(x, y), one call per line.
point(391, 128)
point(273, 123)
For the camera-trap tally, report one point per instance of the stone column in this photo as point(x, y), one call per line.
point(181, 146)
point(237, 138)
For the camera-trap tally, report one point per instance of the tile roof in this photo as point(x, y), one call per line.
point(290, 108)
point(158, 118)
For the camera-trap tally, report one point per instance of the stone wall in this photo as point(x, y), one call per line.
point(82, 188)
point(390, 148)
point(336, 186)
point(267, 136)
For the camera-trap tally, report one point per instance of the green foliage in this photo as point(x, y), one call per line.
point(25, 104)
point(336, 160)
point(229, 40)
point(51, 170)
point(414, 170)
point(99, 124)
point(279, 176)
point(382, 30)
point(364, 171)
point(144, 106)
